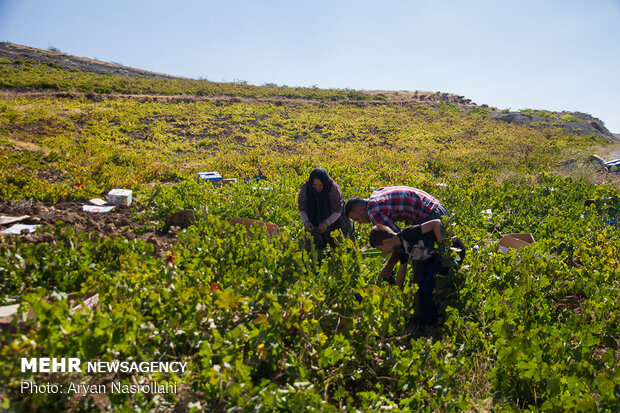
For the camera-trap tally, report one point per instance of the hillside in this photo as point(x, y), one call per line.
point(265, 322)
point(15, 52)
point(570, 122)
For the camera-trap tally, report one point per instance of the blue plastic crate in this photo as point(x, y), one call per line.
point(613, 166)
point(612, 215)
point(212, 177)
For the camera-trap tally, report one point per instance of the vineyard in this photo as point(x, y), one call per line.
point(262, 322)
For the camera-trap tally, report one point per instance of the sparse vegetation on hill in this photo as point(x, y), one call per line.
point(263, 323)
point(28, 74)
point(128, 143)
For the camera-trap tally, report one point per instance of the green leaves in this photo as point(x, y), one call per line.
point(266, 324)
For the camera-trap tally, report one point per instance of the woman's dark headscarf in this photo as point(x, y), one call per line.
point(318, 208)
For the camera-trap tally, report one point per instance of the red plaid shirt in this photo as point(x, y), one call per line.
point(400, 203)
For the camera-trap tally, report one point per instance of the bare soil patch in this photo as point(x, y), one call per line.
point(28, 146)
point(120, 222)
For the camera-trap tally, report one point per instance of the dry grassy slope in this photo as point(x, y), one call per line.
point(14, 52)
point(588, 124)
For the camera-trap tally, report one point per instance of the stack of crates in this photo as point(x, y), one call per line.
point(213, 177)
point(613, 166)
point(596, 161)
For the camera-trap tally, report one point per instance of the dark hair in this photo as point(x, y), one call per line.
point(354, 202)
point(317, 203)
point(378, 234)
point(322, 175)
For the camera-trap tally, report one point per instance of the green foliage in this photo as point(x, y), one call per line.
point(269, 317)
point(29, 74)
point(126, 143)
point(539, 113)
point(479, 112)
point(447, 108)
point(266, 324)
point(570, 118)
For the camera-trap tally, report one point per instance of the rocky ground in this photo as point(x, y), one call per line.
point(585, 125)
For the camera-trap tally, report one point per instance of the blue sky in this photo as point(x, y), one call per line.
point(554, 55)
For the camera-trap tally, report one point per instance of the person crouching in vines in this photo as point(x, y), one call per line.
point(320, 206)
point(428, 248)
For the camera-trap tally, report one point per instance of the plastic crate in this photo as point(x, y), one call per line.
point(213, 177)
point(613, 166)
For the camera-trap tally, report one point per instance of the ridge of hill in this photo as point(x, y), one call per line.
point(571, 122)
point(16, 52)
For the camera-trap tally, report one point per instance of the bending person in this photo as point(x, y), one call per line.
point(320, 207)
point(392, 204)
point(417, 244)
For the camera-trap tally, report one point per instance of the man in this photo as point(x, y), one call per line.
point(392, 204)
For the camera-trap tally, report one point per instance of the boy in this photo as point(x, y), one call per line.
point(417, 243)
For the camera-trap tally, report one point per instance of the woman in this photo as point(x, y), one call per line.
point(320, 206)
